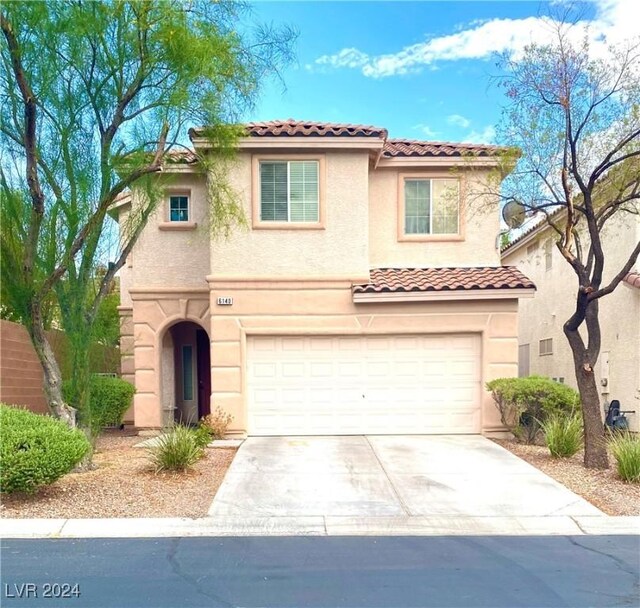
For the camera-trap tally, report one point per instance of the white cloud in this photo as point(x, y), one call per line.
point(426, 131)
point(458, 121)
point(485, 136)
point(615, 20)
point(346, 58)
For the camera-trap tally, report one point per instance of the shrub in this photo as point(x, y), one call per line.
point(176, 450)
point(109, 399)
point(218, 421)
point(525, 403)
point(203, 434)
point(626, 450)
point(36, 450)
point(563, 434)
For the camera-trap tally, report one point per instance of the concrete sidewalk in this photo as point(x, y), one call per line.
point(320, 526)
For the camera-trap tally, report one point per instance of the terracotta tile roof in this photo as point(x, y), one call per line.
point(300, 128)
point(444, 279)
point(187, 157)
point(409, 147)
point(633, 279)
point(392, 147)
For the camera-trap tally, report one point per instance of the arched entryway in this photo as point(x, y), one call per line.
point(186, 373)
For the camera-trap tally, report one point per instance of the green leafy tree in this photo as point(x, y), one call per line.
point(575, 117)
point(96, 98)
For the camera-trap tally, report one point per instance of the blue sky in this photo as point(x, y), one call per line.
point(423, 70)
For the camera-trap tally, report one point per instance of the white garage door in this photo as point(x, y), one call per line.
point(343, 385)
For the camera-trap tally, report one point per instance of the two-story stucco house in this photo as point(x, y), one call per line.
point(543, 346)
point(364, 296)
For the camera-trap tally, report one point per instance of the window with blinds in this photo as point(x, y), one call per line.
point(289, 191)
point(431, 206)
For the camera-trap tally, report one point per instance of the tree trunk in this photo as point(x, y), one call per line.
point(80, 343)
point(52, 377)
point(595, 446)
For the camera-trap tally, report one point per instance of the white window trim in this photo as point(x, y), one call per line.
point(422, 237)
point(177, 225)
point(288, 163)
point(256, 212)
point(180, 195)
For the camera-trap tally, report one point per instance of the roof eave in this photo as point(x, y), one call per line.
point(291, 142)
point(118, 206)
point(448, 295)
point(439, 161)
point(527, 237)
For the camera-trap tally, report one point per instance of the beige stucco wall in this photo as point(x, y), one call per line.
point(172, 257)
point(338, 249)
point(127, 362)
point(480, 223)
point(543, 317)
point(286, 308)
point(153, 313)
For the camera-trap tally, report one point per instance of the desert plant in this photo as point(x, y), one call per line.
point(525, 403)
point(109, 399)
point(625, 448)
point(176, 449)
point(36, 450)
point(203, 434)
point(218, 421)
point(563, 434)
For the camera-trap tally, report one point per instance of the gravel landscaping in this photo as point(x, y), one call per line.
point(601, 488)
point(124, 485)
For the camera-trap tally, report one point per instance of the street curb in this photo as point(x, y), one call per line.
point(320, 526)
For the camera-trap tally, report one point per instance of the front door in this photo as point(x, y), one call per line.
point(204, 373)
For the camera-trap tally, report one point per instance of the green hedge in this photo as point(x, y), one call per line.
point(36, 450)
point(109, 399)
point(525, 403)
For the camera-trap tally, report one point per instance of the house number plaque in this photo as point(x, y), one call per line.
point(224, 301)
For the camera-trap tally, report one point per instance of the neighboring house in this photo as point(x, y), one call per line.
point(542, 344)
point(364, 296)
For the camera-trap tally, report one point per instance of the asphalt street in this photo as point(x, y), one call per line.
point(463, 571)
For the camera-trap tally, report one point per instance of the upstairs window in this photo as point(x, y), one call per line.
point(431, 207)
point(289, 191)
point(546, 347)
point(179, 208)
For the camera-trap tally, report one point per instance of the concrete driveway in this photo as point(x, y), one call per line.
point(388, 477)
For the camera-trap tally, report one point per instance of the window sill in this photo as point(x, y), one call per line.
point(425, 238)
point(178, 225)
point(288, 226)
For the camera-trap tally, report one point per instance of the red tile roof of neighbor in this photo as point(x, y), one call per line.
point(633, 279)
point(538, 223)
point(444, 279)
